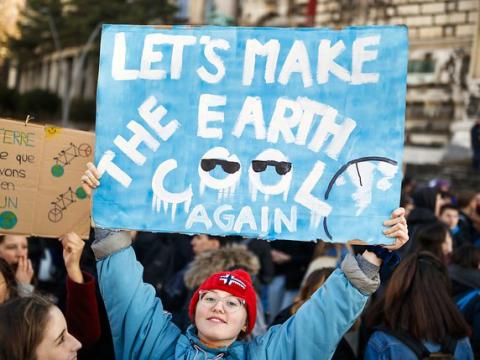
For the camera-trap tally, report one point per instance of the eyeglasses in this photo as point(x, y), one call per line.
point(231, 303)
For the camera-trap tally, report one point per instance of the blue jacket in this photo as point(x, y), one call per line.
point(141, 329)
point(382, 346)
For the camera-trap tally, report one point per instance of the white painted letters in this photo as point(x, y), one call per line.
point(205, 116)
point(119, 72)
point(360, 56)
point(153, 117)
point(251, 113)
point(253, 48)
point(213, 59)
point(296, 61)
point(326, 62)
point(160, 194)
point(106, 165)
point(129, 147)
point(304, 196)
point(198, 215)
point(283, 123)
point(150, 56)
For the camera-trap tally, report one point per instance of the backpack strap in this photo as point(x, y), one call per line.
point(449, 345)
point(413, 344)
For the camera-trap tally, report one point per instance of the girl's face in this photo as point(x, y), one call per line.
point(219, 318)
point(57, 343)
point(3, 289)
point(447, 245)
point(13, 248)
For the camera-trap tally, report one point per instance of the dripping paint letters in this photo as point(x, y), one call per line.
point(272, 133)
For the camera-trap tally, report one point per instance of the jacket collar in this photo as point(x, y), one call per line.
point(195, 342)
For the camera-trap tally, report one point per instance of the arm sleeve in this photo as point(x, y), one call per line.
point(25, 290)
point(140, 327)
point(82, 311)
point(317, 327)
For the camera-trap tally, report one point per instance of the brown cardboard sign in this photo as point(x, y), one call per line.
point(40, 188)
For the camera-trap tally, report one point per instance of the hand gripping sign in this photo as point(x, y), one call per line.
point(270, 133)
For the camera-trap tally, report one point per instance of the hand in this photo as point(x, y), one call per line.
point(72, 251)
point(90, 179)
point(397, 228)
point(24, 273)
point(279, 257)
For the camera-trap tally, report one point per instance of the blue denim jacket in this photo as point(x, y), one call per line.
point(385, 347)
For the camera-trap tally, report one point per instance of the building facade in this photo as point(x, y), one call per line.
point(443, 93)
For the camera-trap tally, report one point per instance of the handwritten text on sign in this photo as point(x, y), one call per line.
point(40, 192)
point(272, 133)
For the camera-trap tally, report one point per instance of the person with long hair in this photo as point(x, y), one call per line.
point(81, 313)
point(311, 284)
point(314, 280)
point(32, 328)
point(417, 312)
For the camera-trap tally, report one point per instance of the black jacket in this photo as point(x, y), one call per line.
point(301, 253)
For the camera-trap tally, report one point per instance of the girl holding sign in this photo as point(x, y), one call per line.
point(223, 309)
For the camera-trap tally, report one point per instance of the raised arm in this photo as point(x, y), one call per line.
point(317, 327)
point(141, 329)
point(81, 314)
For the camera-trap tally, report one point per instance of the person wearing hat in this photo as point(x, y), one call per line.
point(223, 308)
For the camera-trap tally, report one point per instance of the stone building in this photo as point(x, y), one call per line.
point(443, 91)
point(444, 69)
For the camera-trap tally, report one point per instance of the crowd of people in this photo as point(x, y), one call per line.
point(138, 295)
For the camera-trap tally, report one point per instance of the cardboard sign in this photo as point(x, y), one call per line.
point(269, 133)
point(40, 170)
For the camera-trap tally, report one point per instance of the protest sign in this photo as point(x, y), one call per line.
point(40, 169)
point(262, 132)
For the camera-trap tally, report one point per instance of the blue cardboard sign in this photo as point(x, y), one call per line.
point(263, 132)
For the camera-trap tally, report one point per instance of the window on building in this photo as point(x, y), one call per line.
point(422, 66)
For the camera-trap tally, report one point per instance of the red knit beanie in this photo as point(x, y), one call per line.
point(236, 282)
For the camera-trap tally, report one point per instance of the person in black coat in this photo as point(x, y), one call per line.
point(427, 203)
point(162, 256)
point(475, 138)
